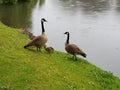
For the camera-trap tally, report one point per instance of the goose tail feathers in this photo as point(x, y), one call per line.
point(83, 54)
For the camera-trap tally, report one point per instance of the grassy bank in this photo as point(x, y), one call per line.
point(23, 69)
point(13, 1)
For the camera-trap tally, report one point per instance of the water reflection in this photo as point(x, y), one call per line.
point(41, 2)
point(87, 6)
point(17, 15)
point(118, 5)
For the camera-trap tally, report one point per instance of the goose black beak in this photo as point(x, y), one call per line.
point(66, 33)
point(43, 20)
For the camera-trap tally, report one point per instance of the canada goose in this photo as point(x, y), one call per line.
point(72, 48)
point(49, 49)
point(30, 35)
point(39, 41)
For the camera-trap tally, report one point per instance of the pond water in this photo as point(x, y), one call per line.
point(94, 25)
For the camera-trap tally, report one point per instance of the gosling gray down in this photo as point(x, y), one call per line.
point(39, 41)
point(72, 48)
point(30, 35)
point(49, 49)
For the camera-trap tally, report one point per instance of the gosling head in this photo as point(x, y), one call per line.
point(43, 20)
point(45, 46)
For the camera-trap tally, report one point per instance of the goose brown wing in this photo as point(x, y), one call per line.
point(73, 49)
point(78, 50)
point(35, 41)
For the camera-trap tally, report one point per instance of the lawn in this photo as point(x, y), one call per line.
point(26, 69)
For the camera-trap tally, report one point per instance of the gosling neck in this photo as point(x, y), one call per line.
point(42, 24)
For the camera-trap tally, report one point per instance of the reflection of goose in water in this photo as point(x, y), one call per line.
point(41, 2)
point(72, 48)
point(39, 41)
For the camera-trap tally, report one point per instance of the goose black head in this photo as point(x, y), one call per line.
point(43, 20)
point(66, 33)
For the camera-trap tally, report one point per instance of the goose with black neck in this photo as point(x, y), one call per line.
point(72, 48)
point(39, 41)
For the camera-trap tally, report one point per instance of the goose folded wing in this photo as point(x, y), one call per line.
point(75, 48)
point(36, 40)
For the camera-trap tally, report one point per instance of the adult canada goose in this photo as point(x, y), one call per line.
point(49, 49)
point(30, 35)
point(72, 48)
point(39, 41)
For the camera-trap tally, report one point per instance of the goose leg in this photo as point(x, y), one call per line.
point(38, 49)
point(75, 57)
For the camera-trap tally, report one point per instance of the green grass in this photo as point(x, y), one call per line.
point(23, 69)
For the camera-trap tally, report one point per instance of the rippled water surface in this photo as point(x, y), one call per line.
point(94, 25)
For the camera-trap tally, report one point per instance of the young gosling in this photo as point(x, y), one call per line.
point(49, 49)
point(30, 35)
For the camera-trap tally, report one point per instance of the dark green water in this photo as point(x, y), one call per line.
point(94, 25)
